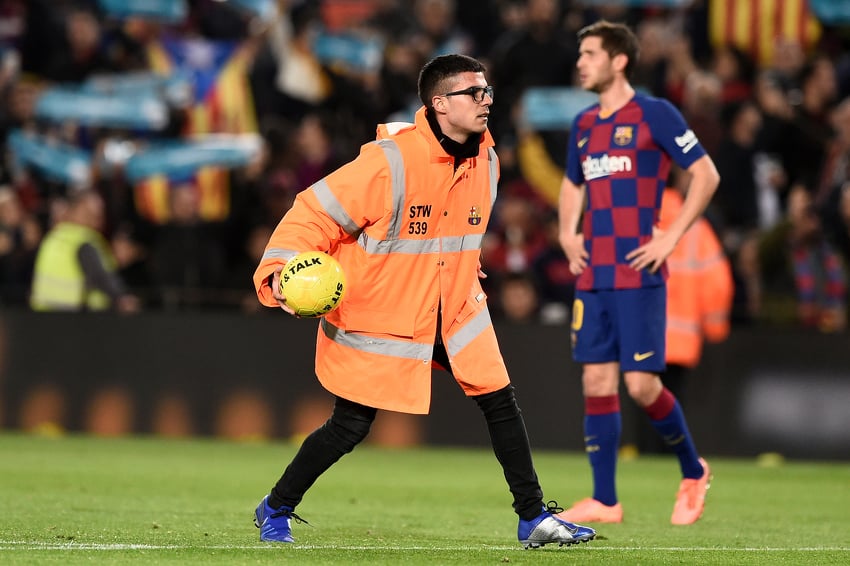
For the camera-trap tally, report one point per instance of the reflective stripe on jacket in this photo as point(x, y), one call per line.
point(407, 228)
point(58, 280)
point(699, 289)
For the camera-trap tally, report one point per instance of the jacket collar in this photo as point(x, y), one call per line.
point(421, 124)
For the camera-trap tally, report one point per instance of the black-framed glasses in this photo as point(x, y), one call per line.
point(476, 92)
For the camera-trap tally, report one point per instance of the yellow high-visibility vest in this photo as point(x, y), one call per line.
point(58, 279)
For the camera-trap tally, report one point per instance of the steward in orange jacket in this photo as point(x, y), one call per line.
point(699, 288)
point(408, 235)
point(406, 219)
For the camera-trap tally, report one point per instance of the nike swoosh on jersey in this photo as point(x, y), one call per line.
point(640, 357)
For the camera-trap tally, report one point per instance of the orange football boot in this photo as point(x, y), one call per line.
point(590, 510)
point(690, 500)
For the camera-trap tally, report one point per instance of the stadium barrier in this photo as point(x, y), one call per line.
point(250, 377)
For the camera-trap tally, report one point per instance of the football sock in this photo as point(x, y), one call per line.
point(513, 451)
point(667, 417)
point(602, 427)
point(347, 427)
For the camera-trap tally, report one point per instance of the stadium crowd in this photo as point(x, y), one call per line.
point(772, 111)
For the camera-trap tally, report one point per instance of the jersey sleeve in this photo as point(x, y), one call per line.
point(671, 132)
point(574, 172)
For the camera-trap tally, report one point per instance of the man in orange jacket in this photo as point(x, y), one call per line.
point(406, 219)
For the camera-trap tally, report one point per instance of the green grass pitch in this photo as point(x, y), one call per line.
point(77, 499)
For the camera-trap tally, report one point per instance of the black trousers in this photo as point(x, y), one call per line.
point(350, 423)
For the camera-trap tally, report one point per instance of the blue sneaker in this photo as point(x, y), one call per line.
point(274, 523)
point(546, 528)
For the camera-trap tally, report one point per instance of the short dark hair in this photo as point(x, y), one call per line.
point(78, 196)
point(437, 74)
point(616, 39)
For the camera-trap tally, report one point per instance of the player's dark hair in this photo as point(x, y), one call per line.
point(437, 76)
point(617, 39)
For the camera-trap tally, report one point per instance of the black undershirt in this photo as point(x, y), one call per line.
point(459, 151)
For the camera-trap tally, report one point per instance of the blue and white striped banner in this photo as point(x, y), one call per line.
point(181, 159)
point(136, 111)
point(56, 161)
point(167, 11)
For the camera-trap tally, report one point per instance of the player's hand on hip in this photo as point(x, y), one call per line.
point(652, 254)
point(281, 300)
point(573, 245)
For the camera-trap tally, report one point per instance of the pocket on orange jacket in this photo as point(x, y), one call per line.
point(380, 322)
point(473, 305)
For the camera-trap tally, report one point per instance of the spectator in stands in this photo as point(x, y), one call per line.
point(737, 199)
point(239, 274)
point(516, 240)
point(555, 282)
point(187, 255)
point(772, 95)
point(518, 298)
point(75, 269)
point(836, 171)
point(654, 36)
point(437, 31)
point(318, 155)
point(20, 234)
point(803, 277)
point(803, 144)
point(80, 54)
point(300, 81)
point(787, 60)
point(540, 54)
point(132, 256)
point(701, 106)
point(680, 66)
point(398, 78)
point(841, 229)
point(736, 72)
point(125, 44)
point(746, 273)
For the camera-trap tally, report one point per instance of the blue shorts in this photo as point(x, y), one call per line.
point(623, 325)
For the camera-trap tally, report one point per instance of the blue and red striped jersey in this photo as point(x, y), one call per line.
point(624, 160)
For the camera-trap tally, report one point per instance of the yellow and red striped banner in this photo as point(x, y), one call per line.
point(755, 25)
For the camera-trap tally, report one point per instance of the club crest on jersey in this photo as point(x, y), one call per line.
point(474, 216)
point(623, 135)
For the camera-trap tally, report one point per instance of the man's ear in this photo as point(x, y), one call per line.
point(438, 103)
point(620, 61)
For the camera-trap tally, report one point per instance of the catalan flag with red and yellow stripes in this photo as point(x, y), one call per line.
point(152, 196)
point(755, 26)
point(219, 69)
point(222, 104)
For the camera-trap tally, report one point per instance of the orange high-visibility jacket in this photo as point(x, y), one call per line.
point(407, 228)
point(699, 288)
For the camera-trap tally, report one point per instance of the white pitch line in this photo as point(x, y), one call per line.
point(29, 545)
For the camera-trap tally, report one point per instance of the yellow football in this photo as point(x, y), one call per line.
point(313, 283)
